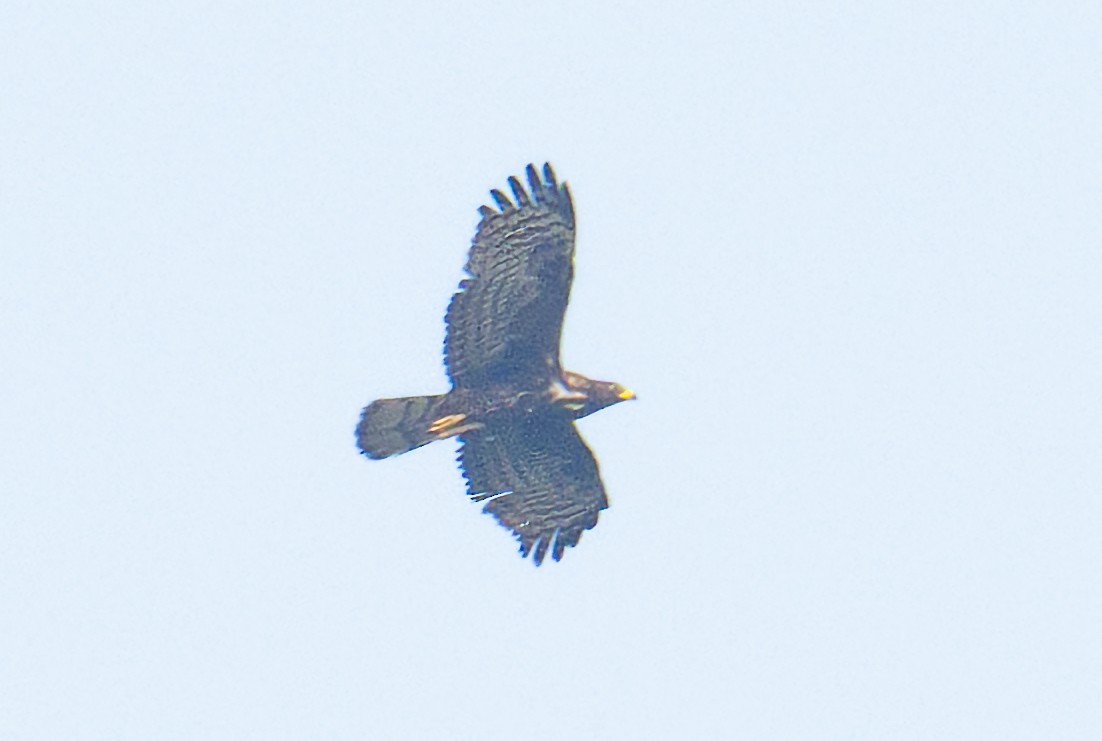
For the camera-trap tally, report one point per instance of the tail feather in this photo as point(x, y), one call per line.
point(395, 426)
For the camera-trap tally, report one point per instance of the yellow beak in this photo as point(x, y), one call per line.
point(626, 394)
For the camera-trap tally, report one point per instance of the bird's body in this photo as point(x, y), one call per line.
point(511, 404)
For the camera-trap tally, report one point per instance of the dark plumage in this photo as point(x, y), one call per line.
point(511, 404)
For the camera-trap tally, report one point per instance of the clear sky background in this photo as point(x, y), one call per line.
point(848, 254)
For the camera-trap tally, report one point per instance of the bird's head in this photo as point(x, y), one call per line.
point(597, 394)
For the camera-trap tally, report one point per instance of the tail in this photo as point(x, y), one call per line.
point(395, 426)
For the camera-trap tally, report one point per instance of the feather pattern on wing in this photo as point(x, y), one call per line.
point(539, 476)
point(505, 321)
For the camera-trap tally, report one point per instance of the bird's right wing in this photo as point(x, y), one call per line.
point(505, 322)
point(539, 476)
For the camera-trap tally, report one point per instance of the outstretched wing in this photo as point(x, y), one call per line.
point(539, 476)
point(504, 323)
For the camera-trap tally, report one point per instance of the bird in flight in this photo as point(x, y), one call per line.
point(511, 405)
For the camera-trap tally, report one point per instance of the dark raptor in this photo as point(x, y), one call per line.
point(511, 405)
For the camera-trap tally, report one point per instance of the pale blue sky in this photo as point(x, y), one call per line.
point(848, 254)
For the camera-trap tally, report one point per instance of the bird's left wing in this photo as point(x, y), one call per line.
point(539, 476)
